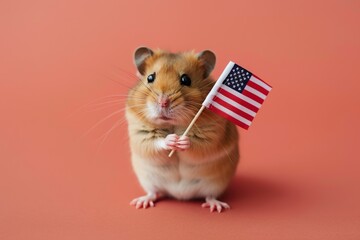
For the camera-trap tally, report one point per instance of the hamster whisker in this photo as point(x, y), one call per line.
point(111, 101)
point(102, 105)
point(149, 88)
point(95, 101)
point(124, 83)
point(105, 135)
point(137, 105)
point(105, 106)
point(207, 85)
point(186, 114)
point(173, 107)
point(176, 91)
point(146, 93)
point(124, 73)
point(134, 98)
point(191, 107)
point(102, 120)
point(129, 74)
point(176, 98)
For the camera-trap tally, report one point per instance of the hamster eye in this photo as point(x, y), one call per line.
point(185, 80)
point(151, 77)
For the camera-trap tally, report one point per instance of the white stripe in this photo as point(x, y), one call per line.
point(260, 83)
point(218, 84)
point(236, 105)
point(231, 113)
point(239, 95)
point(254, 91)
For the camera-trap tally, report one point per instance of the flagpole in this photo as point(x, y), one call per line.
point(208, 98)
point(190, 126)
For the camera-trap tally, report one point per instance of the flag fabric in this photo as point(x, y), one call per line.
point(237, 95)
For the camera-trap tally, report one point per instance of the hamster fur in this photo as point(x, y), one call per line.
point(159, 108)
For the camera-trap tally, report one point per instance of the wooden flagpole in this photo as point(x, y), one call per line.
point(208, 98)
point(190, 126)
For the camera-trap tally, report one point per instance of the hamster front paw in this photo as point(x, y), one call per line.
point(183, 143)
point(170, 141)
point(175, 142)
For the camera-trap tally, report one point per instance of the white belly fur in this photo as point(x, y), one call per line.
point(175, 178)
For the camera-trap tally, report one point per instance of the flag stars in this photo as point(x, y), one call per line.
point(237, 78)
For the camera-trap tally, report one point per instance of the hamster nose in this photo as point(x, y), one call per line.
point(164, 101)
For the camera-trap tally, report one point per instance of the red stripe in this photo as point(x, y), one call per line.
point(258, 87)
point(261, 80)
point(252, 96)
point(233, 109)
point(228, 117)
point(238, 100)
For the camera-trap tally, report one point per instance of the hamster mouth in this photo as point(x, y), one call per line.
point(164, 118)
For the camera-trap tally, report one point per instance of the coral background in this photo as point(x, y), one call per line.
point(65, 175)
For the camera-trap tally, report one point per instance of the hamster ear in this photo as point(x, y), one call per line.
point(209, 60)
point(141, 54)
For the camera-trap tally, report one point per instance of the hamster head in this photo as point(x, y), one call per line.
point(171, 87)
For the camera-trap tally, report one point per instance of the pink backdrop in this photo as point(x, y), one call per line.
point(63, 177)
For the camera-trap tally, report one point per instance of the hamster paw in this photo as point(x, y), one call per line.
point(213, 204)
point(175, 142)
point(171, 141)
point(144, 201)
point(183, 143)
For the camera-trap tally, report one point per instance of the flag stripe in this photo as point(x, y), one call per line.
point(257, 87)
point(230, 118)
point(237, 95)
point(251, 104)
point(231, 113)
point(236, 104)
point(261, 83)
point(254, 91)
point(218, 84)
point(233, 108)
point(252, 96)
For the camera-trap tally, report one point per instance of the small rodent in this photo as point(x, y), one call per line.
point(159, 108)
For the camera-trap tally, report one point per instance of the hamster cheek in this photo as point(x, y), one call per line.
point(151, 110)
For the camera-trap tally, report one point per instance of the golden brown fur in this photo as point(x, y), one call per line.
point(206, 167)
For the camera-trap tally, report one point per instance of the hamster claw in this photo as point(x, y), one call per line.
point(170, 141)
point(213, 204)
point(175, 142)
point(183, 143)
point(144, 201)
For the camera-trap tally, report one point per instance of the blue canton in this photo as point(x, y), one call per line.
point(237, 78)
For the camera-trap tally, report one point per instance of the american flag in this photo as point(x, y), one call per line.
point(237, 95)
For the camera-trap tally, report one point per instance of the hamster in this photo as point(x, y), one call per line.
point(159, 108)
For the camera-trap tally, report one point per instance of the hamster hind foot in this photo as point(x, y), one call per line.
point(145, 201)
point(213, 203)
